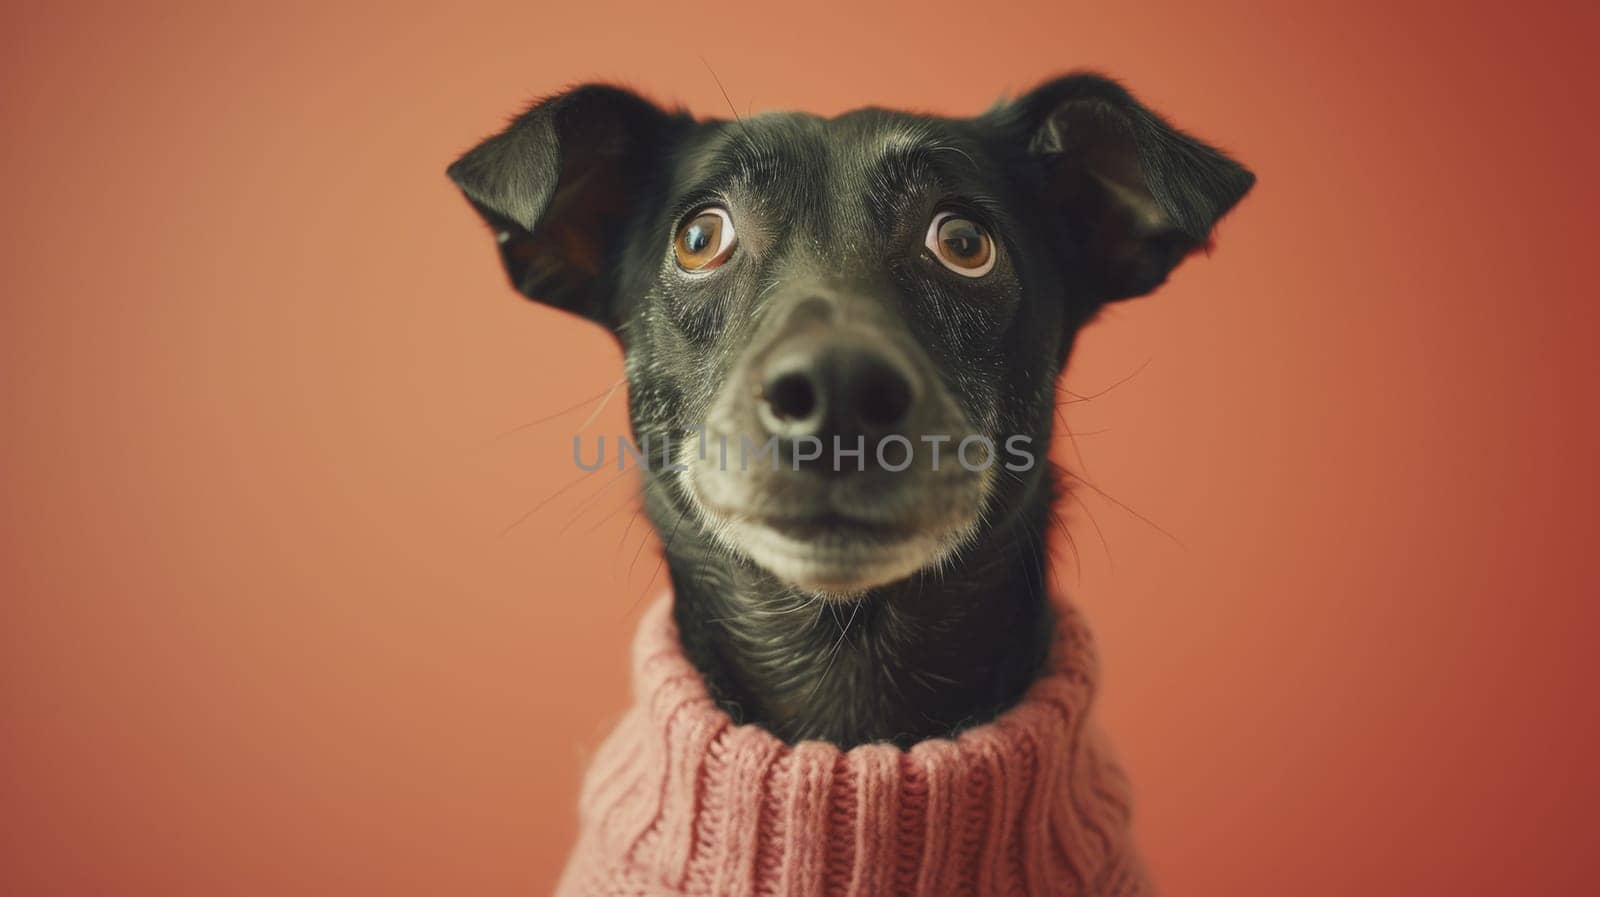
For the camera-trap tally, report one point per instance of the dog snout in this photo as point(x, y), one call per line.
point(835, 384)
point(825, 384)
point(842, 485)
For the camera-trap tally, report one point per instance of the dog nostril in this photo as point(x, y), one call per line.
point(834, 385)
point(883, 396)
point(791, 397)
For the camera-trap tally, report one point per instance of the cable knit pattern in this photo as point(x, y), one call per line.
point(680, 801)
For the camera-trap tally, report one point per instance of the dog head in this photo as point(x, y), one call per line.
point(843, 335)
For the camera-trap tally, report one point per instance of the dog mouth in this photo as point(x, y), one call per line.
point(839, 552)
point(840, 557)
point(824, 525)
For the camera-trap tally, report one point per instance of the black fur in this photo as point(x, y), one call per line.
point(1091, 198)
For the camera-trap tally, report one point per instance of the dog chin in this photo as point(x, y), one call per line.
point(842, 567)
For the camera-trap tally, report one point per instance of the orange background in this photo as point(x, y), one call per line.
point(262, 633)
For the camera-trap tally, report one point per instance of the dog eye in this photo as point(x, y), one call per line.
point(960, 244)
point(704, 241)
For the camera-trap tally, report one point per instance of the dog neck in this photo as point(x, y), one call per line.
point(923, 658)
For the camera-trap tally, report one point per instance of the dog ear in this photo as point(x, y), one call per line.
point(559, 186)
point(1133, 195)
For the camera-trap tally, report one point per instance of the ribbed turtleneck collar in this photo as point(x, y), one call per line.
point(680, 800)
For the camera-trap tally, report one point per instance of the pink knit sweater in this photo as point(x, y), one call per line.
point(680, 801)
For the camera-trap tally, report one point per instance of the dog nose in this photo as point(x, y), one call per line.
point(824, 384)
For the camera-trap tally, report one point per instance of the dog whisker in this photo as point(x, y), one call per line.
point(544, 501)
point(724, 90)
point(1108, 497)
point(665, 552)
point(602, 397)
point(844, 631)
point(1075, 398)
point(589, 502)
point(1094, 522)
point(593, 415)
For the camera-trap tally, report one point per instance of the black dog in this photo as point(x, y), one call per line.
point(807, 305)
